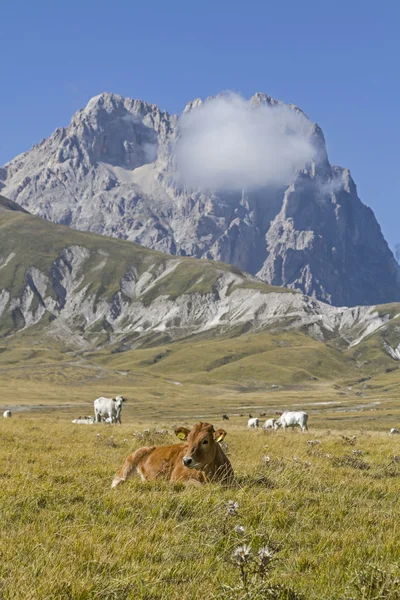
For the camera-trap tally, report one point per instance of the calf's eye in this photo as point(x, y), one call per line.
point(205, 441)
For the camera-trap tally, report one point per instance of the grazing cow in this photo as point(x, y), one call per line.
point(252, 422)
point(199, 459)
point(269, 424)
point(225, 418)
point(291, 418)
point(393, 431)
point(108, 408)
point(7, 414)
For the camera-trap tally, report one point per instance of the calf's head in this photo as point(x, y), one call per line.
point(201, 444)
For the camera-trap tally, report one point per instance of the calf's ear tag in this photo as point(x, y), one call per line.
point(181, 435)
point(220, 438)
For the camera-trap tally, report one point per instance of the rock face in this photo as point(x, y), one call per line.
point(111, 171)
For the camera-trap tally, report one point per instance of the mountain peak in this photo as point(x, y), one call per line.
point(107, 106)
point(261, 99)
point(193, 104)
point(104, 100)
point(112, 172)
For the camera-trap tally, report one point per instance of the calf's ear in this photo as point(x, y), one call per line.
point(182, 433)
point(219, 435)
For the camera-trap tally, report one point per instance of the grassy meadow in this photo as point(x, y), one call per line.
point(325, 506)
point(328, 512)
point(203, 377)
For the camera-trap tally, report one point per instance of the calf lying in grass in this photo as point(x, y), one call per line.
point(199, 460)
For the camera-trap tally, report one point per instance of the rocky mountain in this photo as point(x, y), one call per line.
point(111, 171)
point(86, 291)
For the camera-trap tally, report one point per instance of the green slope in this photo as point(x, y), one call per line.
point(38, 243)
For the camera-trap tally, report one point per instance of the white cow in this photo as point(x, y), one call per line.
point(108, 408)
point(252, 422)
point(269, 424)
point(393, 431)
point(84, 421)
point(7, 414)
point(291, 418)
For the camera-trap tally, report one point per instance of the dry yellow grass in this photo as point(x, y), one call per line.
point(328, 513)
point(330, 516)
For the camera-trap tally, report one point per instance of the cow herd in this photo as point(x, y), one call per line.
point(289, 418)
point(199, 458)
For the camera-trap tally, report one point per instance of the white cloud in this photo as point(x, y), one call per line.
point(225, 144)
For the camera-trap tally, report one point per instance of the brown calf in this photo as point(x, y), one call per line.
point(199, 460)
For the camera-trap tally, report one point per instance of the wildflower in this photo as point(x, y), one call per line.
point(239, 529)
point(232, 508)
point(266, 459)
point(242, 554)
point(97, 435)
point(265, 555)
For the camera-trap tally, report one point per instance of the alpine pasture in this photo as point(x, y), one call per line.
point(312, 515)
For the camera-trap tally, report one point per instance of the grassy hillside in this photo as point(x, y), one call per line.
point(38, 243)
point(54, 270)
point(9, 205)
point(370, 350)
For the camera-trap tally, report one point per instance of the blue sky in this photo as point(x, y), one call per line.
point(339, 61)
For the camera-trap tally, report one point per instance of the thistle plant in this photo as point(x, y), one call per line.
point(231, 510)
point(254, 568)
point(253, 558)
point(239, 529)
point(242, 557)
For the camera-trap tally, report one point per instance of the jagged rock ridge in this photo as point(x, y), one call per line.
point(111, 172)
